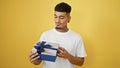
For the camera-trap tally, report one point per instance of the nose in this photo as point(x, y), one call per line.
point(57, 20)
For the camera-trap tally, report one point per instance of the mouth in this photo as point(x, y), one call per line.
point(58, 27)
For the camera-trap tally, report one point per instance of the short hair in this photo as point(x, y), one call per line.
point(63, 7)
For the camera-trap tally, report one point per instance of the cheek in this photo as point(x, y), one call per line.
point(64, 20)
point(54, 20)
point(63, 23)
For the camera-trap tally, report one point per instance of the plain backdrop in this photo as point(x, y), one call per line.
point(23, 21)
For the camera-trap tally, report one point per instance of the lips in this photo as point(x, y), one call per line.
point(58, 25)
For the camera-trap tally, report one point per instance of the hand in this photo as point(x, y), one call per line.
point(34, 58)
point(62, 52)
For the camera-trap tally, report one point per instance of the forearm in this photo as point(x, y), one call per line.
point(76, 60)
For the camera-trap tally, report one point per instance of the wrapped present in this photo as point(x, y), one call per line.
point(47, 50)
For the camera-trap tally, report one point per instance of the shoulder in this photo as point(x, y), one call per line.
point(75, 34)
point(47, 32)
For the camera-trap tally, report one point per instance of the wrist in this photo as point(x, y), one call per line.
point(70, 57)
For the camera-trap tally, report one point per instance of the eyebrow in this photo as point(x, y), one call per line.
point(59, 16)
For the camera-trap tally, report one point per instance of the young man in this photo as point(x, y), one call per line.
point(71, 50)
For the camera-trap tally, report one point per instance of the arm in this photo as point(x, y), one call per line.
point(34, 58)
point(74, 60)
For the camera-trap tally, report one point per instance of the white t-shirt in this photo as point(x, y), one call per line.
point(69, 40)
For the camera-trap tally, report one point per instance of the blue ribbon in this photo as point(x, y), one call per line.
point(40, 47)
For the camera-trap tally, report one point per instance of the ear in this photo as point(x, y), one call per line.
point(69, 19)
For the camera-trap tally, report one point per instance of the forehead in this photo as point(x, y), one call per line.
point(56, 13)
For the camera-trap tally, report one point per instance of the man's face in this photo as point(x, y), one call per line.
point(61, 19)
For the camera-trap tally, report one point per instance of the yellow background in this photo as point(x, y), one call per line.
point(23, 21)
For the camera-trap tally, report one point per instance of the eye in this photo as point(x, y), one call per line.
point(61, 17)
point(55, 16)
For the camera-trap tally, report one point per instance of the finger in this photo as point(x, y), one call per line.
point(33, 56)
point(61, 48)
point(36, 58)
point(61, 51)
point(60, 55)
point(31, 53)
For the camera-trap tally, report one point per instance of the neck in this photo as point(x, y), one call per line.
point(62, 29)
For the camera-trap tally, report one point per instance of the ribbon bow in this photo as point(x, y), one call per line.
point(40, 47)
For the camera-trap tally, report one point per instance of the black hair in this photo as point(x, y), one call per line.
point(63, 7)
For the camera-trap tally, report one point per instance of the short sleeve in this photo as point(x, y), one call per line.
point(80, 49)
point(42, 37)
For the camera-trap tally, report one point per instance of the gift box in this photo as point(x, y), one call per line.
point(47, 50)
